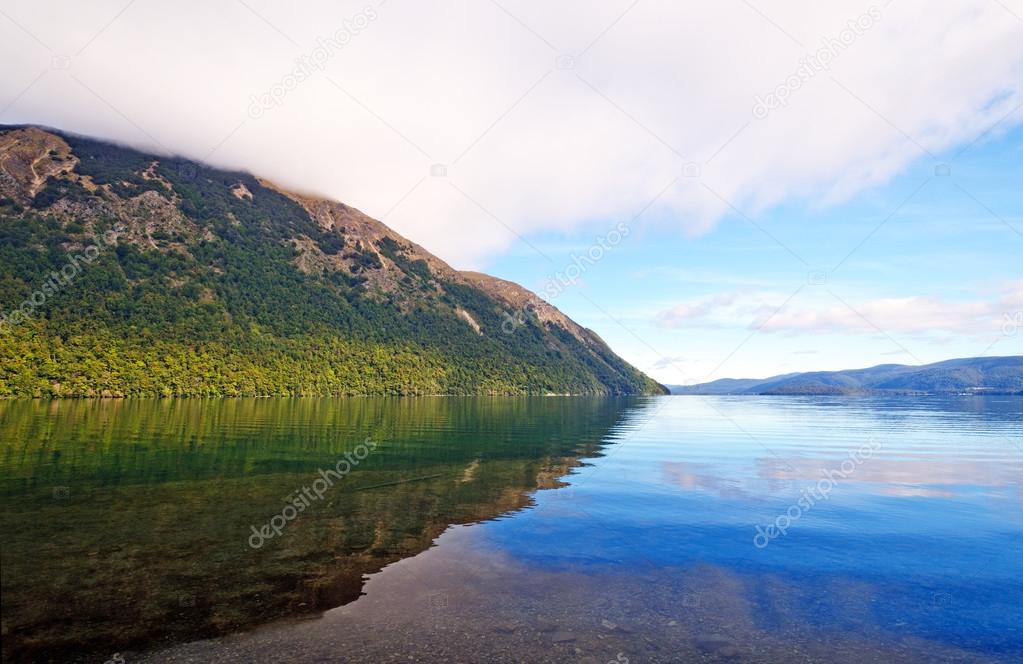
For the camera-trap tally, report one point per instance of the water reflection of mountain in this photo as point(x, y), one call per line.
point(126, 522)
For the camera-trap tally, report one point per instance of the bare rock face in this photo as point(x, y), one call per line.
point(31, 157)
point(363, 237)
point(28, 158)
point(528, 303)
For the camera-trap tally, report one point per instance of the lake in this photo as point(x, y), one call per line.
point(647, 529)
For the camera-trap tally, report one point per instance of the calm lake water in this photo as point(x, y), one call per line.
point(704, 529)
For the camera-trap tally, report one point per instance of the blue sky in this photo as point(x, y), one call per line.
point(941, 245)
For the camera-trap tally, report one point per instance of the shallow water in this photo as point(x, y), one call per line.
point(682, 529)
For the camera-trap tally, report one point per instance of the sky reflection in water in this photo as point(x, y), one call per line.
point(931, 521)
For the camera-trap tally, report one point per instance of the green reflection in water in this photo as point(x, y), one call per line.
point(126, 523)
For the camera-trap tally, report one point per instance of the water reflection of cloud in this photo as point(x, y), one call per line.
point(702, 477)
point(931, 471)
point(911, 491)
point(903, 477)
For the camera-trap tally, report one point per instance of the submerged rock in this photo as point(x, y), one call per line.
point(716, 644)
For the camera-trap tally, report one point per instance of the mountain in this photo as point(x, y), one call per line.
point(974, 375)
point(124, 273)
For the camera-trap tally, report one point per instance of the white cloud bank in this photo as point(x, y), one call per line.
point(817, 312)
point(544, 115)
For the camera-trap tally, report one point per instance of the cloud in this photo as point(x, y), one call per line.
point(463, 125)
point(696, 311)
point(1012, 297)
point(914, 315)
point(668, 362)
point(825, 313)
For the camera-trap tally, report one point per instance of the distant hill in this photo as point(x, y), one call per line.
point(130, 274)
point(972, 375)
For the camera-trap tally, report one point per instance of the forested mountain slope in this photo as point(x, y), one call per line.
point(124, 273)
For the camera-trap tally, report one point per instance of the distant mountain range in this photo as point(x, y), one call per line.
point(972, 375)
point(124, 273)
